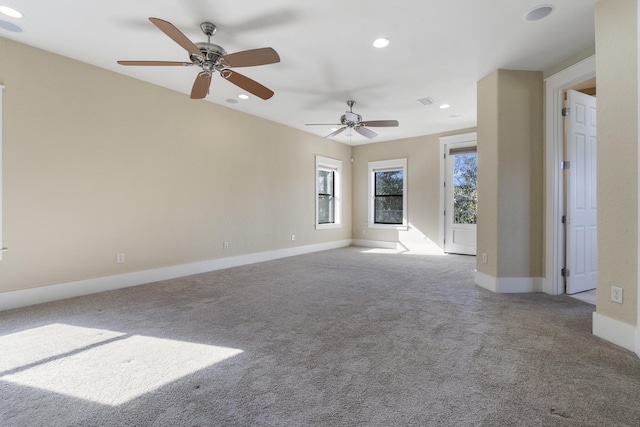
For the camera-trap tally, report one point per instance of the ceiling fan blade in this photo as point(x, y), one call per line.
point(336, 132)
point(253, 57)
point(247, 84)
point(169, 29)
point(156, 63)
point(366, 132)
point(381, 123)
point(201, 86)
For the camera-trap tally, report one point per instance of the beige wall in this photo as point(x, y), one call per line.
point(617, 134)
point(574, 59)
point(487, 229)
point(95, 163)
point(510, 174)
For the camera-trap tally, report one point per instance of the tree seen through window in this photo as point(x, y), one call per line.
point(465, 193)
point(326, 196)
point(388, 197)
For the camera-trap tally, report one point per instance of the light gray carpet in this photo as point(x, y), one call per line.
point(338, 338)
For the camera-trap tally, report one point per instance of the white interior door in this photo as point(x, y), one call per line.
point(581, 211)
point(461, 172)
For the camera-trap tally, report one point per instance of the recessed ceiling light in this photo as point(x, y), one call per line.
point(381, 42)
point(445, 106)
point(333, 129)
point(9, 11)
point(538, 13)
point(243, 96)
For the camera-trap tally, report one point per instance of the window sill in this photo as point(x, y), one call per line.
point(397, 227)
point(327, 226)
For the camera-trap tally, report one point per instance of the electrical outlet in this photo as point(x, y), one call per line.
point(293, 237)
point(484, 258)
point(120, 258)
point(225, 245)
point(616, 294)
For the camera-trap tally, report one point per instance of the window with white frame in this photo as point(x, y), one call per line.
point(328, 197)
point(388, 194)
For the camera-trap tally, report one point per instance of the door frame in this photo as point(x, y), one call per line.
point(555, 87)
point(470, 138)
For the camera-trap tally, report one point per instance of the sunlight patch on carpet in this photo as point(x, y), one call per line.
point(101, 366)
point(404, 251)
point(40, 344)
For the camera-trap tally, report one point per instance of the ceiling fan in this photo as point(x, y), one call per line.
point(213, 58)
point(354, 121)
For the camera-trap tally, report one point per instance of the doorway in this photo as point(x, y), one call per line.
point(460, 167)
point(555, 88)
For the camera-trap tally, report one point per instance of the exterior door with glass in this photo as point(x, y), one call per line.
point(461, 197)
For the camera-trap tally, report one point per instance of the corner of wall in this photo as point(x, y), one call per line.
point(509, 285)
point(616, 332)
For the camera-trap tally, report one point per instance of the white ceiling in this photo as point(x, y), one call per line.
point(439, 49)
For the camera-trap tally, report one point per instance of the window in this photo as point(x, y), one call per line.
point(326, 196)
point(328, 201)
point(388, 194)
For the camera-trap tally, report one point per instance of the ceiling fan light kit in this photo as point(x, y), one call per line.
point(212, 58)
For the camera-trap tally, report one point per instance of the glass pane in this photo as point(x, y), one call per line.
point(465, 193)
point(388, 210)
point(326, 209)
point(389, 183)
point(325, 182)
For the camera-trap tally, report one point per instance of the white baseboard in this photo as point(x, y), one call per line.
point(614, 331)
point(509, 285)
point(27, 297)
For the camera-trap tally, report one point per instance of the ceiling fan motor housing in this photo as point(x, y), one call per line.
point(209, 61)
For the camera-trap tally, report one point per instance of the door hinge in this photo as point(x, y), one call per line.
point(566, 111)
point(565, 272)
point(565, 165)
point(565, 219)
